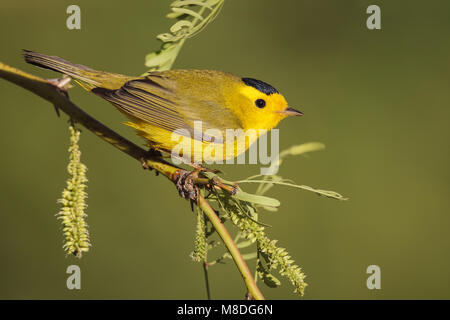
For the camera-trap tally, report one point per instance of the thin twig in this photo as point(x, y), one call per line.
point(205, 272)
point(232, 248)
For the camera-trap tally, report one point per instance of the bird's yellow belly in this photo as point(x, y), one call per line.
point(192, 150)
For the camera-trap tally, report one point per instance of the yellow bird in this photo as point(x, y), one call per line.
point(170, 108)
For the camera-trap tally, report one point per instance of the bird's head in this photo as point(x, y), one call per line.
point(258, 105)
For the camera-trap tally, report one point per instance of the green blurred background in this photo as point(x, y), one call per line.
point(379, 100)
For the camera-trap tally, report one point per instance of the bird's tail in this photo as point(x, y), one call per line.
point(85, 76)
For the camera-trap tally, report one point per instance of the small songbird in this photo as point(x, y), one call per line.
point(169, 106)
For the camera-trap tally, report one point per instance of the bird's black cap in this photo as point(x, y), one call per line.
point(260, 85)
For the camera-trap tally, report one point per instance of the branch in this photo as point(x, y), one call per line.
point(59, 98)
point(232, 248)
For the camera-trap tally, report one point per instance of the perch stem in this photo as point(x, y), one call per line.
point(232, 248)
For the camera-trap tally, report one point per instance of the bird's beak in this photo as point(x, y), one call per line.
point(290, 112)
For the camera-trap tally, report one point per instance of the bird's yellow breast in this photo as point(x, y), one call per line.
point(234, 143)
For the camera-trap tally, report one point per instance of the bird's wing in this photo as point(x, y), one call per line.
point(152, 100)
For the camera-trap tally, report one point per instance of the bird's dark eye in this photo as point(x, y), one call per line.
point(260, 103)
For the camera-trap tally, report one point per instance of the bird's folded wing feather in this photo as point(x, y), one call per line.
point(153, 100)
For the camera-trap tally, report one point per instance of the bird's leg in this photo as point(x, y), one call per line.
point(200, 168)
point(215, 181)
point(185, 184)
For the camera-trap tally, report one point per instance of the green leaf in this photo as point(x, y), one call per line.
point(174, 15)
point(162, 60)
point(156, 58)
point(303, 148)
point(271, 209)
point(249, 256)
point(182, 3)
point(189, 12)
point(190, 23)
point(167, 37)
point(257, 199)
point(212, 2)
point(244, 244)
point(180, 25)
point(326, 193)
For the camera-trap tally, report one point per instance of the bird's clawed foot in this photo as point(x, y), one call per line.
point(185, 183)
point(187, 188)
